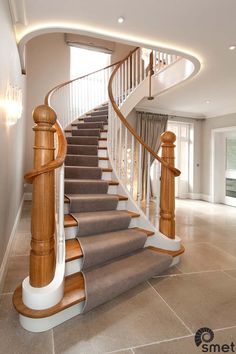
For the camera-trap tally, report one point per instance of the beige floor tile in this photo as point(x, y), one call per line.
point(14, 339)
point(204, 256)
point(171, 271)
point(21, 244)
point(187, 345)
point(136, 317)
point(231, 272)
point(204, 299)
point(227, 246)
point(18, 269)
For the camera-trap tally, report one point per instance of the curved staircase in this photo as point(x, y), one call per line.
point(105, 244)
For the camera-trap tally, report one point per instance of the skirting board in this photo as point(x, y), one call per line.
point(3, 268)
point(197, 196)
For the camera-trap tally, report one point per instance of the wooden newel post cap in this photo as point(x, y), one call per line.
point(168, 138)
point(44, 115)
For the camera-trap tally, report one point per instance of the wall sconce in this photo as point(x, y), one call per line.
point(12, 104)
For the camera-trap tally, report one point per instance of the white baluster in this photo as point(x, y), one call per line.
point(136, 68)
point(125, 155)
point(132, 166)
point(148, 185)
point(133, 71)
point(140, 66)
point(157, 196)
point(121, 152)
point(139, 193)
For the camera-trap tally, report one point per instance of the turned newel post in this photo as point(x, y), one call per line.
point(42, 255)
point(167, 194)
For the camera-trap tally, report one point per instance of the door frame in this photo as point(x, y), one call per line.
point(218, 163)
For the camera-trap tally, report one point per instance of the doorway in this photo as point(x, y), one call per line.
point(224, 166)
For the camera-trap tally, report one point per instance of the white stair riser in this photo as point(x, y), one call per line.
point(102, 143)
point(102, 153)
point(103, 164)
point(73, 266)
point(103, 135)
point(46, 323)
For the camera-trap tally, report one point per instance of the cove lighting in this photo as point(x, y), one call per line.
point(120, 19)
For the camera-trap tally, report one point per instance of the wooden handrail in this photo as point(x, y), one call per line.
point(49, 94)
point(174, 170)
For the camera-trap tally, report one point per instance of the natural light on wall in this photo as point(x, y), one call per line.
point(85, 61)
point(11, 105)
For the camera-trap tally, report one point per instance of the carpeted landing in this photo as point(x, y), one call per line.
point(114, 257)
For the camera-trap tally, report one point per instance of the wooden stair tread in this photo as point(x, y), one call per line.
point(102, 139)
point(107, 170)
point(69, 221)
point(73, 250)
point(74, 293)
point(147, 232)
point(102, 148)
point(102, 158)
point(171, 253)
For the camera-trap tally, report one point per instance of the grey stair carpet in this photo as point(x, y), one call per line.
point(81, 160)
point(90, 125)
point(82, 149)
point(83, 172)
point(98, 249)
point(76, 140)
point(114, 257)
point(106, 282)
point(90, 202)
point(96, 119)
point(101, 221)
point(85, 186)
point(86, 132)
point(98, 113)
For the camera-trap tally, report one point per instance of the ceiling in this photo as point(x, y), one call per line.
point(203, 29)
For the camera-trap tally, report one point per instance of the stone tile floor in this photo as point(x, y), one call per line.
point(160, 316)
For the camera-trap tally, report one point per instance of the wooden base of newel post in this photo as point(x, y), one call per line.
point(167, 194)
point(42, 255)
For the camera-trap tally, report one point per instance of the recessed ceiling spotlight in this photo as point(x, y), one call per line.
point(207, 101)
point(121, 19)
point(232, 47)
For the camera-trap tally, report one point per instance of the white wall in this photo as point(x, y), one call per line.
point(207, 128)
point(11, 137)
point(47, 65)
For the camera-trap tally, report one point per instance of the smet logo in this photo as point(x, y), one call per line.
point(205, 336)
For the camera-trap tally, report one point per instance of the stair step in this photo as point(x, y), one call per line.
point(69, 221)
point(85, 186)
point(86, 132)
point(83, 140)
point(105, 282)
point(83, 172)
point(74, 251)
point(82, 160)
point(82, 149)
point(74, 293)
point(120, 198)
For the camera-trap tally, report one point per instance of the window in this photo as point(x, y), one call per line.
point(85, 61)
point(183, 158)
